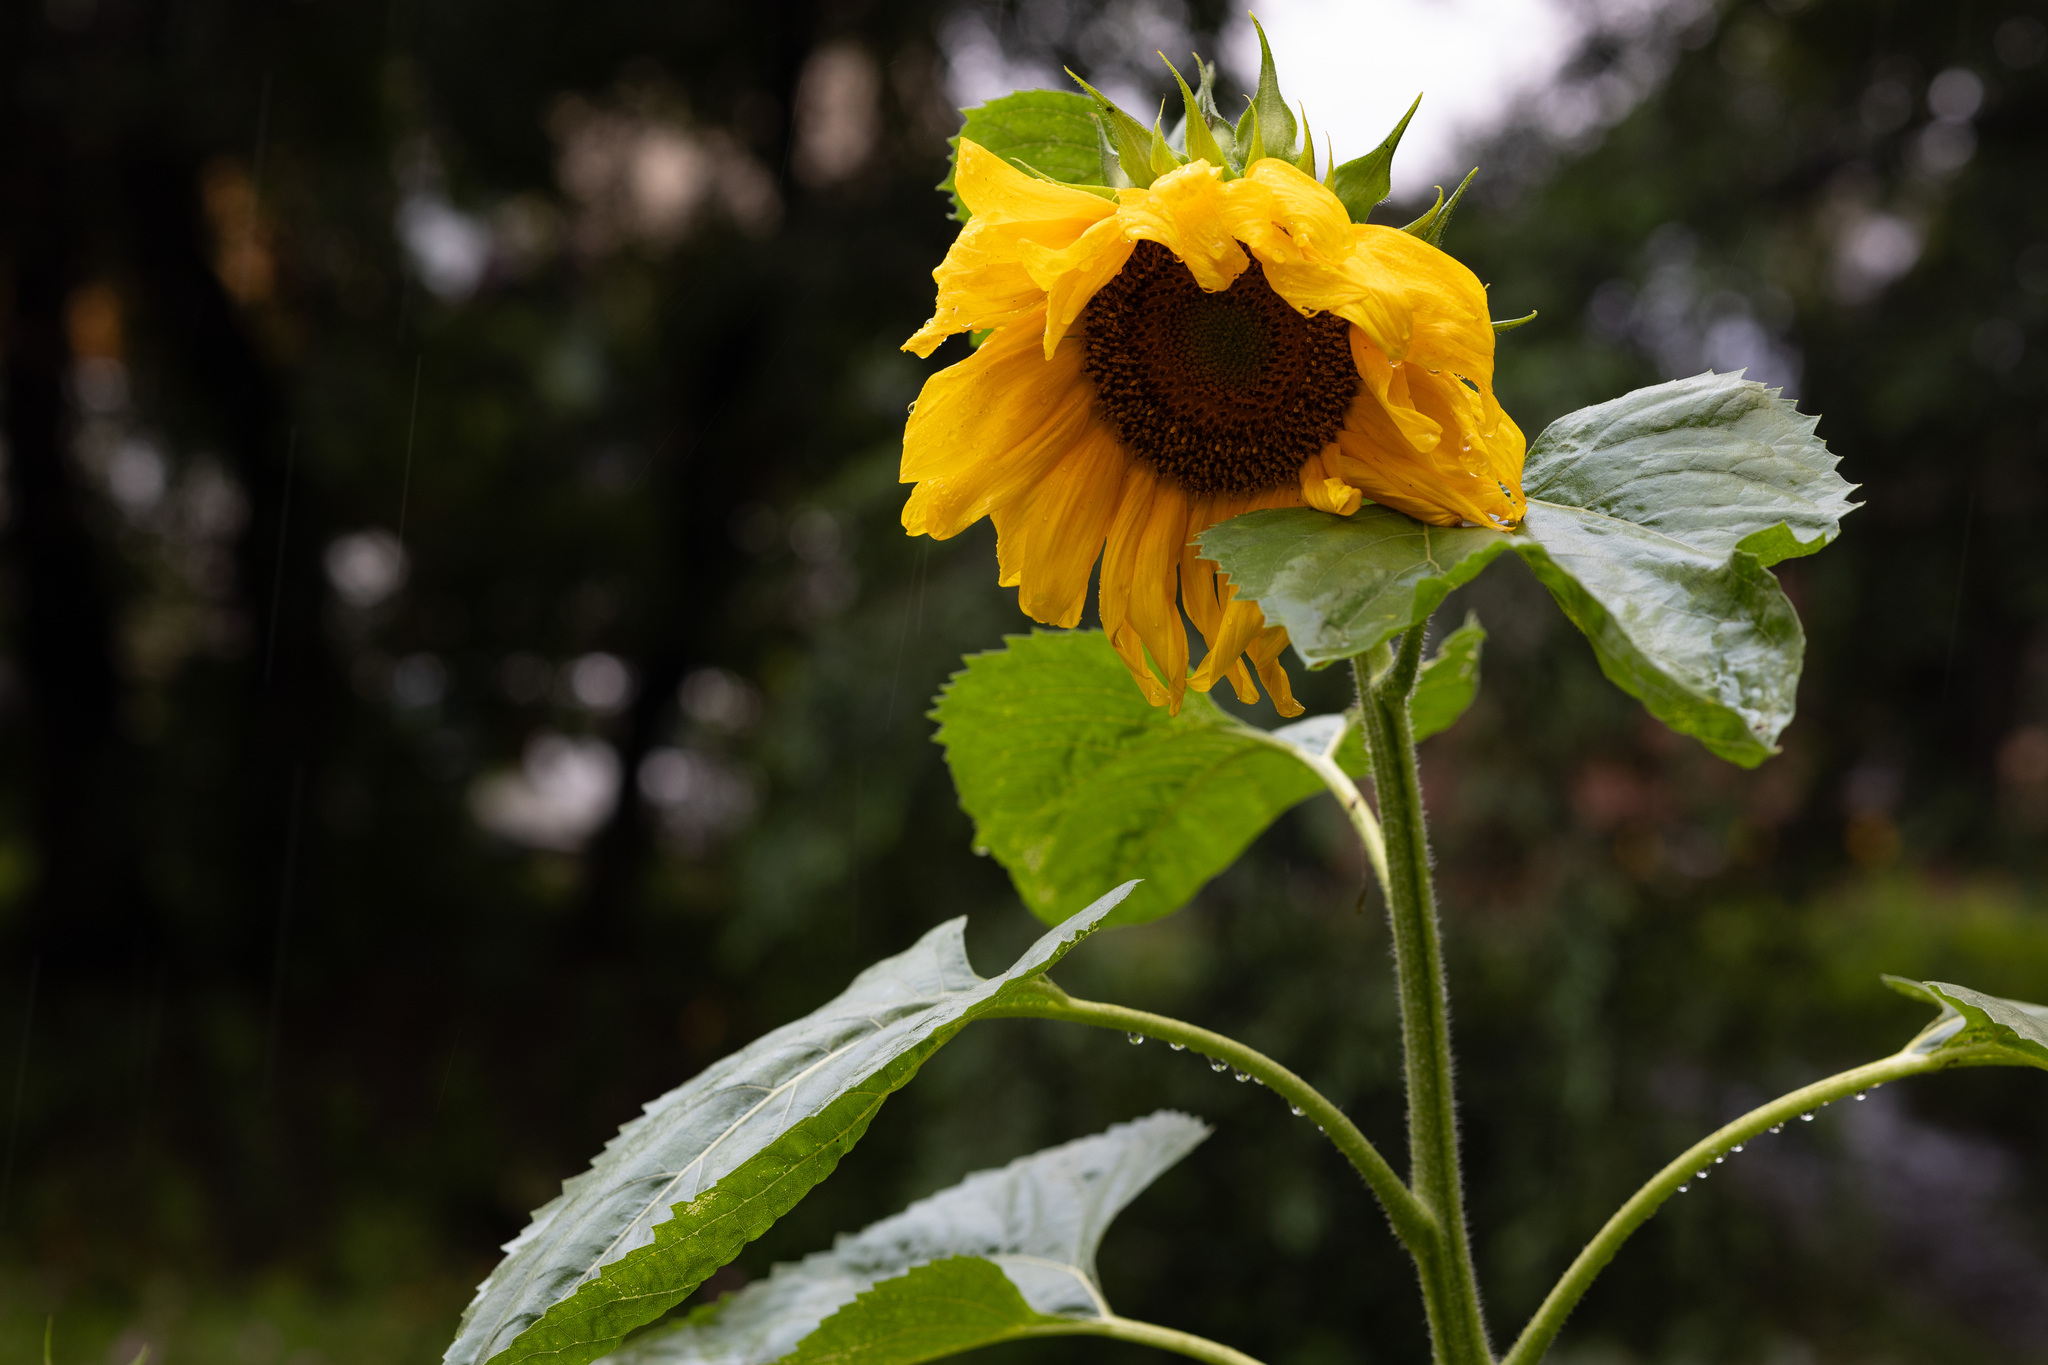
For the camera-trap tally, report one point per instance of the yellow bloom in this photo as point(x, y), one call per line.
point(1189, 352)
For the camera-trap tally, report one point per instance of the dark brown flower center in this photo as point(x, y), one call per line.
point(1220, 393)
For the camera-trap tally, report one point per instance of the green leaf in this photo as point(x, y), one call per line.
point(1002, 1254)
point(1652, 520)
point(1449, 680)
point(1070, 775)
point(1973, 1019)
point(936, 1310)
point(1343, 584)
point(1510, 324)
point(1050, 132)
point(714, 1162)
point(1267, 124)
point(1363, 181)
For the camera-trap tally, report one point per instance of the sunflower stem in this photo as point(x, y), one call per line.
point(1449, 1287)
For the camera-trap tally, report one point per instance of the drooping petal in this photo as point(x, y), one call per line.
point(1431, 444)
point(1048, 539)
point(1140, 573)
point(984, 280)
point(989, 428)
point(1228, 623)
point(1325, 491)
point(1264, 655)
point(1184, 211)
point(1071, 276)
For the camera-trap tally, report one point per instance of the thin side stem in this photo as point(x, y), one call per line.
point(1146, 1334)
point(1412, 1223)
point(1363, 822)
point(1685, 1168)
point(1450, 1287)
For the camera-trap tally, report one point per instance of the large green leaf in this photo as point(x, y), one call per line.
point(1069, 775)
point(1971, 1018)
point(1343, 584)
point(714, 1162)
point(1004, 1253)
point(1715, 463)
point(1049, 131)
point(1652, 519)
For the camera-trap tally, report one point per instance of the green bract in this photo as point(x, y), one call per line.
point(1003, 1254)
point(1652, 519)
point(718, 1159)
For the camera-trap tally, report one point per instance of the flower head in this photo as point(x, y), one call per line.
point(1162, 357)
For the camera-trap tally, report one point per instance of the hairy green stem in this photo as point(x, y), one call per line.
point(1412, 1222)
point(1146, 1334)
point(1702, 1156)
point(1450, 1288)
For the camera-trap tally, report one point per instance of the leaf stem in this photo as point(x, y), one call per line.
point(1450, 1287)
point(1363, 822)
point(1411, 1220)
point(1684, 1168)
point(1148, 1334)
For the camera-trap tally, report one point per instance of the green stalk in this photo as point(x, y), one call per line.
point(1147, 1334)
point(1412, 1222)
point(1450, 1288)
point(1702, 1156)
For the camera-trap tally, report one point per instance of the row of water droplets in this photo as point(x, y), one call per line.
point(1807, 1117)
point(1215, 1064)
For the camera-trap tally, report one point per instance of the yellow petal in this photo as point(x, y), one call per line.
point(1071, 276)
point(984, 280)
point(987, 429)
point(1047, 541)
point(997, 192)
point(1326, 492)
point(1264, 655)
point(1469, 467)
point(1139, 571)
point(1183, 211)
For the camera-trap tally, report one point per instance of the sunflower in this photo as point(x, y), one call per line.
point(1176, 355)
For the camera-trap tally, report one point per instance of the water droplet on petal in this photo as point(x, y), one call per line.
point(1243, 1076)
point(1777, 1127)
point(1719, 1159)
point(1296, 1110)
point(1683, 1188)
point(1860, 1094)
point(1806, 1117)
point(1135, 1039)
point(1178, 1047)
point(1702, 1174)
point(1215, 1065)
point(1736, 1148)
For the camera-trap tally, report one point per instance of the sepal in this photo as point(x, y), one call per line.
point(1362, 182)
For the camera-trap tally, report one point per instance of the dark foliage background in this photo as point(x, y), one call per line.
point(343, 565)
